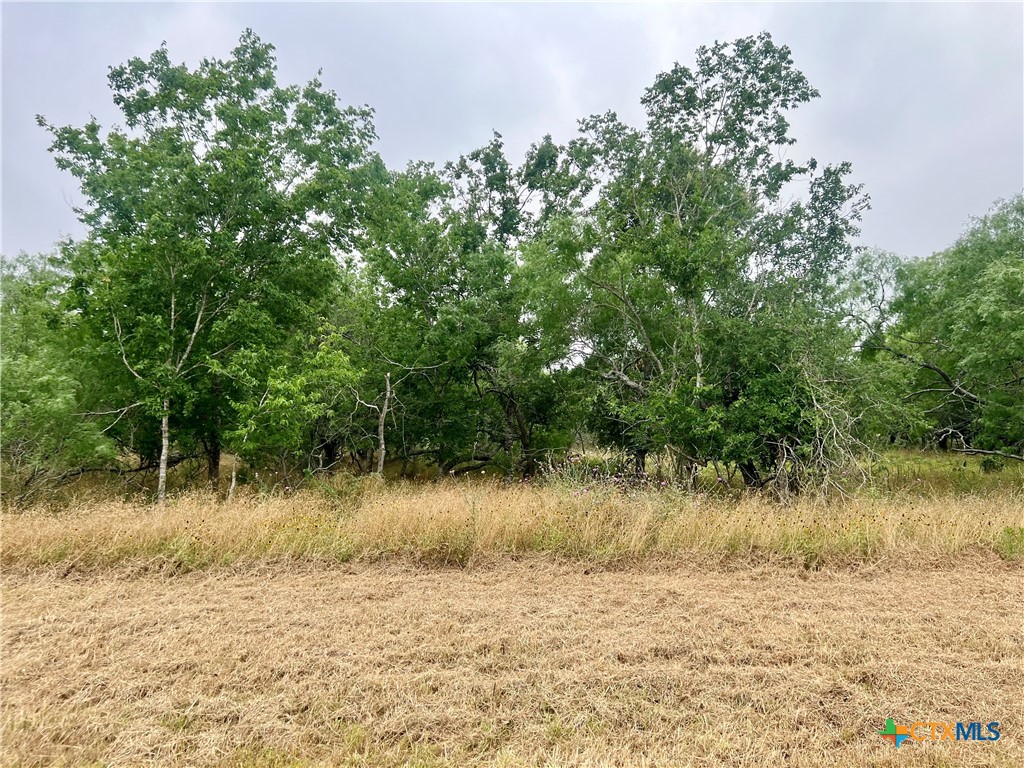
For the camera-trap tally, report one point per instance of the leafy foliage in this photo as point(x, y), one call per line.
point(45, 431)
point(256, 280)
point(213, 219)
point(702, 304)
point(957, 320)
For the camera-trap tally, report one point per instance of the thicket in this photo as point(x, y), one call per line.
point(257, 289)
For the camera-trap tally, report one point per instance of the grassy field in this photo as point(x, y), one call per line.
point(514, 664)
point(488, 623)
point(465, 524)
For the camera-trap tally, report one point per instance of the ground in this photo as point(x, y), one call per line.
point(515, 661)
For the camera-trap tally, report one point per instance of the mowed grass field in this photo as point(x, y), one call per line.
point(513, 664)
point(514, 625)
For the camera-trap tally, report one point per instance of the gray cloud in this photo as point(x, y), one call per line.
point(927, 101)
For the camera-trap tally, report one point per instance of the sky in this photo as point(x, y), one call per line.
point(925, 99)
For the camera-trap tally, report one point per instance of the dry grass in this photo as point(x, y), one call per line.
point(468, 523)
point(579, 627)
point(529, 663)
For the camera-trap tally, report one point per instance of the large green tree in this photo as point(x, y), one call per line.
point(215, 215)
point(701, 303)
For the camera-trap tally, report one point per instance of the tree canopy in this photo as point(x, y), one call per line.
point(681, 294)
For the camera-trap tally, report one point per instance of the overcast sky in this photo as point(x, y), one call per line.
point(926, 100)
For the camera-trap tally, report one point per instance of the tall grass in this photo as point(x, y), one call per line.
point(462, 523)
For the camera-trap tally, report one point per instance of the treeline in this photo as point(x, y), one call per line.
point(255, 281)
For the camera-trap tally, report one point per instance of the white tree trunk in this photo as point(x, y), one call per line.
point(381, 449)
point(165, 445)
point(234, 477)
point(698, 353)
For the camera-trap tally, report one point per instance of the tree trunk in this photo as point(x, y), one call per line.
point(330, 453)
point(640, 461)
point(529, 461)
point(234, 477)
point(213, 442)
point(751, 477)
point(213, 461)
point(381, 448)
point(165, 447)
point(698, 353)
point(686, 470)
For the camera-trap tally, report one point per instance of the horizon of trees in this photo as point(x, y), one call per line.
point(255, 281)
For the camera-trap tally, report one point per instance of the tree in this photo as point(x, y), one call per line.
point(438, 318)
point(214, 217)
point(957, 320)
point(284, 395)
point(46, 433)
point(702, 305)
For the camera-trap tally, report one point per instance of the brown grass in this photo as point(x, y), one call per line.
point(465, 524)
point(524, 663)
point(578, 627)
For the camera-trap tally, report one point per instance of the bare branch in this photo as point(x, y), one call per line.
point(981, 452)
point(623, 378)
point(195, 332)
point(124, 354)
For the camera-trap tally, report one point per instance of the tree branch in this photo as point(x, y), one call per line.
point(981, 452)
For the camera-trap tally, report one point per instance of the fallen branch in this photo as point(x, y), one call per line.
point(982, 452)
